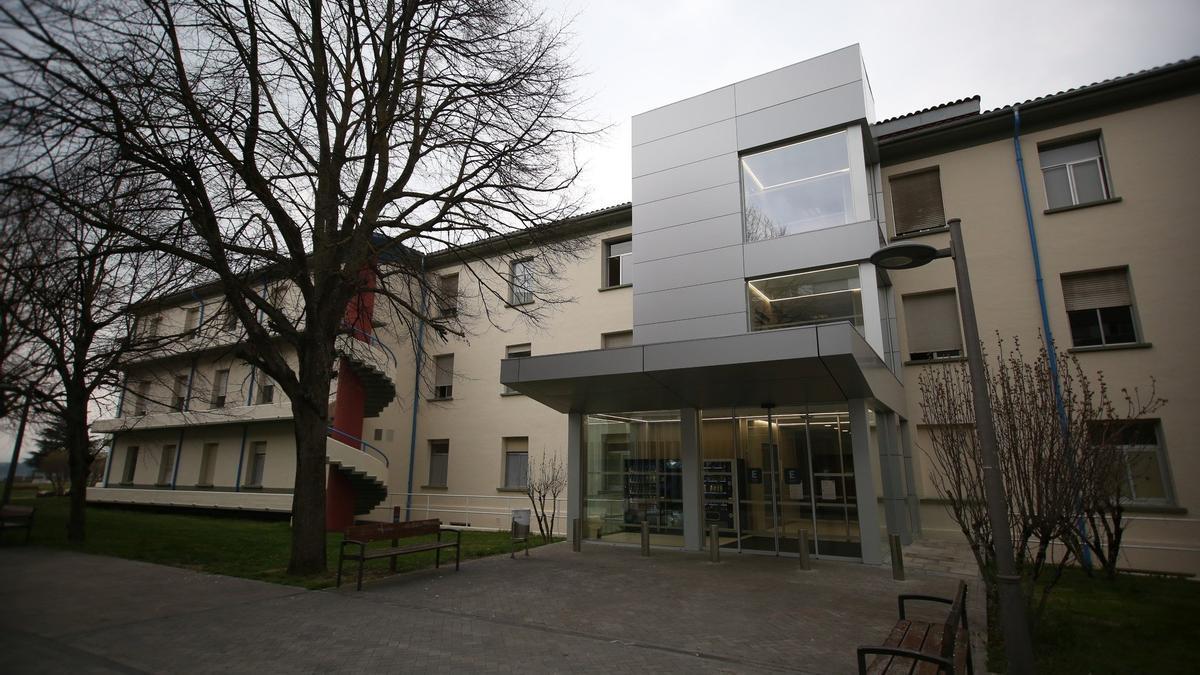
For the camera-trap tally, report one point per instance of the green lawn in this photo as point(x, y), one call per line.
point(1136, 624)
point(240, 548)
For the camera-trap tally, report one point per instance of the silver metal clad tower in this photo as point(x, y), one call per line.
point(692, 256)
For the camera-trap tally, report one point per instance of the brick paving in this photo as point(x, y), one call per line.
point(604, 610)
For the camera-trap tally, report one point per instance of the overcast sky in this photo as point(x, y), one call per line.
point(641, 54)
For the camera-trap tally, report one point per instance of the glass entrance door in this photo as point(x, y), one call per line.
point(788, 470)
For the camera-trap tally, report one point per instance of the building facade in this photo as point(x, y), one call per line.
point(730, 356)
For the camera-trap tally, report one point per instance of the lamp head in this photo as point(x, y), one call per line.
point(905, 256)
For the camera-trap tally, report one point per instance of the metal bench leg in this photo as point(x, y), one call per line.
point(457, 554)
point(361, 563)
point(437, 558)
point(341, 559)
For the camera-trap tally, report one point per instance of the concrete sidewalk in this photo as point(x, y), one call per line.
point(604, 610)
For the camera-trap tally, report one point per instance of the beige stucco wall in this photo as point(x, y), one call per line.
point(1150, 154)
point(479, 417)
point(279, 471)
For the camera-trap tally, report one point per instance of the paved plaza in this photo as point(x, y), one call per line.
point(606, 609)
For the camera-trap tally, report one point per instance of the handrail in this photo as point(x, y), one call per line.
point(363, 445)
point(371, 339)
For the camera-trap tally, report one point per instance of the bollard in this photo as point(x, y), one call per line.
point(714, 545)
point(576, 535)
point(897, 557)
point(645, 538)
point(802, 543)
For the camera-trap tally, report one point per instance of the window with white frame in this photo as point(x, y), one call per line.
point(1144, 473)
point(439, 463)
point(931, 321)
point(141, 394)
point(191, 319)
point(179, 393)
point(797, 187)
point(166, 464)
point(447, 293)
point(618, 262)
point(1074, 173)
point(229, 319)
point(266, 391)
point(220, 387)
point(520, 285)
point(516, 352)
point(917, 201)
point(130, 468)
point(258, 464)
point(443, 376)
point(1100, 307)
point(516, 462)
point(208, 465)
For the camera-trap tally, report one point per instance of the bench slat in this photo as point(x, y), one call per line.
point(883, 663)
point(372, 554)
point(383, 531)
point(933, 645)
point(913, 639)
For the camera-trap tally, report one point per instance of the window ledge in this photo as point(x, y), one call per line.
point(511, 393)
point(518, 304)
point(1164, 509)
point(1109, 348)
point(613, 288)
point(511, 489)
point(926, 362)
point(1072, 207)
point(438, 399)
point(921, 233)
point(255, 488)
point(434, 487)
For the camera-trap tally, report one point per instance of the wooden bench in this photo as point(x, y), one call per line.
point(17, 518)
point(361, 535)
point(921, 647)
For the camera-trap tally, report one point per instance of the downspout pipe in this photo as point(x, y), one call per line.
point(420, 358)
point(1051, 349)
point(1037, 263)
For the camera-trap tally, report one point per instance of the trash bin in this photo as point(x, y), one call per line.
point(519, 531)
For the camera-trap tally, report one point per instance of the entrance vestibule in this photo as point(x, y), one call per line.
point(765, 475)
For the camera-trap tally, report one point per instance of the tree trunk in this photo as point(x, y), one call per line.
point(16, 453)
point(311, 416)
point(78, 463)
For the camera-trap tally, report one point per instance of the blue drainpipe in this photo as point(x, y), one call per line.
point(412, 441)
point(1051, 349)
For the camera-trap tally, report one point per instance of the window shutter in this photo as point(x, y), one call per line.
point(931, 320)
point(1096, 290)
point(917, 201)
point(444, 375)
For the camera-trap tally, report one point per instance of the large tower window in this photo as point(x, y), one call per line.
point(797, 188)
point(806, 298)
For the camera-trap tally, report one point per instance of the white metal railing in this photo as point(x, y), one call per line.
point(486, 512)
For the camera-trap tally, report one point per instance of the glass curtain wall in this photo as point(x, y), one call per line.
point(768, 477)
point(634, 474)
point(765, 478)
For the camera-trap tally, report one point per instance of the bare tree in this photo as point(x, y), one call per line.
point(76, 278)
point(323, 141)
point(1053, 460)
point(546, 482)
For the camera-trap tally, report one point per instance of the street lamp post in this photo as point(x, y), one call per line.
point(1017, 645)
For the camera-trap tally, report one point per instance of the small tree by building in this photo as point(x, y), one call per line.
point(1058, 461)
point(547, 481)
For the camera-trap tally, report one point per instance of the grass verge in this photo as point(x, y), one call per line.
point(1134, 624)
point(231, 546)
